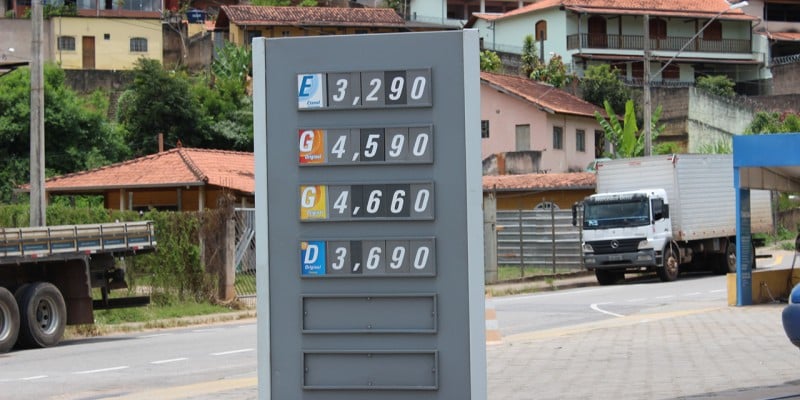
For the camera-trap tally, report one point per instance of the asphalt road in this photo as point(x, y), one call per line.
point(117, 366)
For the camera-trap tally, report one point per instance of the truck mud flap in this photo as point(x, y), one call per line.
point(123, 302)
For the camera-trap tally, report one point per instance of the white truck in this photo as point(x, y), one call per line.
point(667, 214)
point(47, 275)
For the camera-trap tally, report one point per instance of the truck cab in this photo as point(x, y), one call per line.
point(624, 232)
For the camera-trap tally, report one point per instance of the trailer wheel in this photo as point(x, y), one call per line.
point(606, 277)
point(670, 269)
point(43, 315)
point(9, 320)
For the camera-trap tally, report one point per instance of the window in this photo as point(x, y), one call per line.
point(713, 31)
point(637, 70)
point(523, 137)
point(484, 129)
point(600, 144)
point(580, 140)
point(106, 36)
point(252, 35)
point(558, 138)
point(541, 30)
point(658, 28)
point(66, 43)
point(671, 72)
point(138, 45)
point(782, 11)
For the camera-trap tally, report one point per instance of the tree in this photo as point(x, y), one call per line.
point(77, 133)
point(719, 85)
point(553, 73)
point(626, 139)
point(159, 101)
point(528, 57)
point(490, 61)
point(602, 83)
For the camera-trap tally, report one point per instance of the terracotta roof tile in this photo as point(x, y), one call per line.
point(541, 94)
point(687, 8)
point(784, 36)
point(312, 16)
point(510, 183)
point(176, 167)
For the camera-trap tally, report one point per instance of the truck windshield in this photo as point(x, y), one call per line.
point(616, 214)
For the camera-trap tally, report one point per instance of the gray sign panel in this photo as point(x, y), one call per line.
point(368, 208)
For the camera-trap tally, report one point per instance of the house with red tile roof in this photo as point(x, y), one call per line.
point(686, 38)
point(778, 23)
point(531, 191)
point(239, 24)
point(180, 179)
point(530, 126)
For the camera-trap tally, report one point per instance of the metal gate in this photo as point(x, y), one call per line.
point(540, 239)
point(245, 261)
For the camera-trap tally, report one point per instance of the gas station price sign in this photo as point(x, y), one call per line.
point(368, 217)
point(399, 145)
point(399, 201)
point(368, 258)
point(368, 89)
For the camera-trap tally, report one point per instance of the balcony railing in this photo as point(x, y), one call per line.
point(672, 43)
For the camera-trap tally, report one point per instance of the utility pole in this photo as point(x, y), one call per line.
point(37, 207)
point(648, 112)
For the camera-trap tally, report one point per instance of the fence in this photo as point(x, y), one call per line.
point(542, 240)
point(245, 261)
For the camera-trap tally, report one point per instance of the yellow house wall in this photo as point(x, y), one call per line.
point(111, 54)
point(510, 201)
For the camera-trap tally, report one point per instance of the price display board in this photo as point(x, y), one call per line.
point(368, 217)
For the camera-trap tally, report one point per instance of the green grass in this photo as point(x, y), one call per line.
point(512, 272)
point(152, 312)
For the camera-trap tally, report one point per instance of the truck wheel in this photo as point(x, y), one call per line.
point(43, 315)
point(670, 268)
point(9, 320)
point(727, 262)
point(606, 277)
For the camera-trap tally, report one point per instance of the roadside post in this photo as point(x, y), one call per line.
point(368, 213)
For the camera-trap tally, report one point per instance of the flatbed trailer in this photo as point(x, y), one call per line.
point(47, 275)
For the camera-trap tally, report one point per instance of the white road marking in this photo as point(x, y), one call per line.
point(33, 378)
point(718, 291)
point(206, 330)
point(636, 300)
point(224, 353)
point(666, 297)
point(596, 307)
point(96, 371)
point(154, 335)
point(171, 360)
point(693, 294)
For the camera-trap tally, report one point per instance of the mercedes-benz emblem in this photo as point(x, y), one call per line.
point(614, 244)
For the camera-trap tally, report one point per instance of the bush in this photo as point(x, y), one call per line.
point(719, 85)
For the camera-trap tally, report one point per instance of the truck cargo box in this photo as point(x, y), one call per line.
point(700, 191)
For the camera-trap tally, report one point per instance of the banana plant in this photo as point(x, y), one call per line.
point(625, 138)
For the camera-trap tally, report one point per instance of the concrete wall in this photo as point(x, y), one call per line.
point(87, 81)
point(16, 34)
point(713, 119)
point(786, 79)
point(199, 50)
